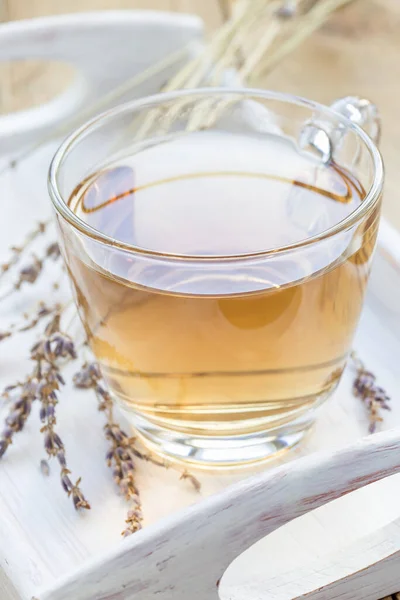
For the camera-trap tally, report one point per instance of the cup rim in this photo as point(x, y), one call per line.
point(62, 208)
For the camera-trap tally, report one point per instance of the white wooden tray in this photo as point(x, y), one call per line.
point(348, 548)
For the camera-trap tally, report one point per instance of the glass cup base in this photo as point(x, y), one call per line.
point(214, 452)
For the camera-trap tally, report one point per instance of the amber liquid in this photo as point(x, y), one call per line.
point(220, 351)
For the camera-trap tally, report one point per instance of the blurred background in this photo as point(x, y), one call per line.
point(356, 53)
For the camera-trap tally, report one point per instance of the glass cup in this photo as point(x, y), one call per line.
point(219, 244)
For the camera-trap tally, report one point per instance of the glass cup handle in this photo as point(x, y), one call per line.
point(321, 138)
point(362, 112)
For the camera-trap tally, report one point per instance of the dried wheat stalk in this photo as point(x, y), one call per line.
point(264, 31)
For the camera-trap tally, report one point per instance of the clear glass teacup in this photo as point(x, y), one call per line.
point(219, 244)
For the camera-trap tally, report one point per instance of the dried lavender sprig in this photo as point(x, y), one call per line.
point(89, 377)
point(18, 251)
point(31, 272)
point(162, 462)
point(121, 459)
point(53, 251)
point(43, 384)
point(48, 352)
point(18, 414)
point(44, 467)
point(119, 456)
point(42, 312)
point(123, 451)
point(374, 397)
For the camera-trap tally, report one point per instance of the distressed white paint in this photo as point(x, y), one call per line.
point(347, 549)
point(106, 48)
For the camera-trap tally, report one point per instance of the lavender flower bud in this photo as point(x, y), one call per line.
point(15, 421)
point(31, 272)
point(7, 434)
point(127, 468)
point(47, 350)
point(134, 514)
point(95, 371)
point(79, 500)
point(20, 404)
point(120, 452)
point(43, 311)
point(58, 441)
point(29, 389)
point(61, 459)
point(110, 455)
point(66, 483)
point(44, 468)
point(127, 533)
point(68, 348)
point(101, 391)
point(53, 251)
point(3, 447)
point(48, 443)
point(117, 474)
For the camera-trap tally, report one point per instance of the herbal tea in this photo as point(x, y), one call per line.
point(209, 332)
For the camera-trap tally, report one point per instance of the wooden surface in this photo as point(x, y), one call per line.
point(357, 53)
